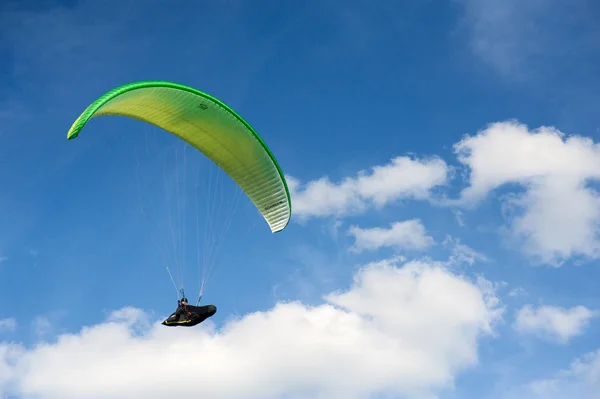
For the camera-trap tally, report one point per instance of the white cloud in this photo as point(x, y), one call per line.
point(555, 323)
point(9, 324)
point(581, 380)
point(409, 234)
point(402, 178)
point(405, 330)
point(558, 216)
point(554, 171)
point(8, 354)
point(461, 253)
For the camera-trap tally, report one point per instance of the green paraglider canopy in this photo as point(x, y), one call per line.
point(211, 127)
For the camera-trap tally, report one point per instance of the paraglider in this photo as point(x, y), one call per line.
point(188, 315)
point(217, 131)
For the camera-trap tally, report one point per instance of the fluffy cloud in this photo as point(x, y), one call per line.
point(554, 323)
point(409, 234)
point(558, 216)
point(555, 217)
point(402, 178)
point(8, 324)
point(407, 329)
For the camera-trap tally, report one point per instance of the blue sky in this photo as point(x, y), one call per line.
point(469, 124)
